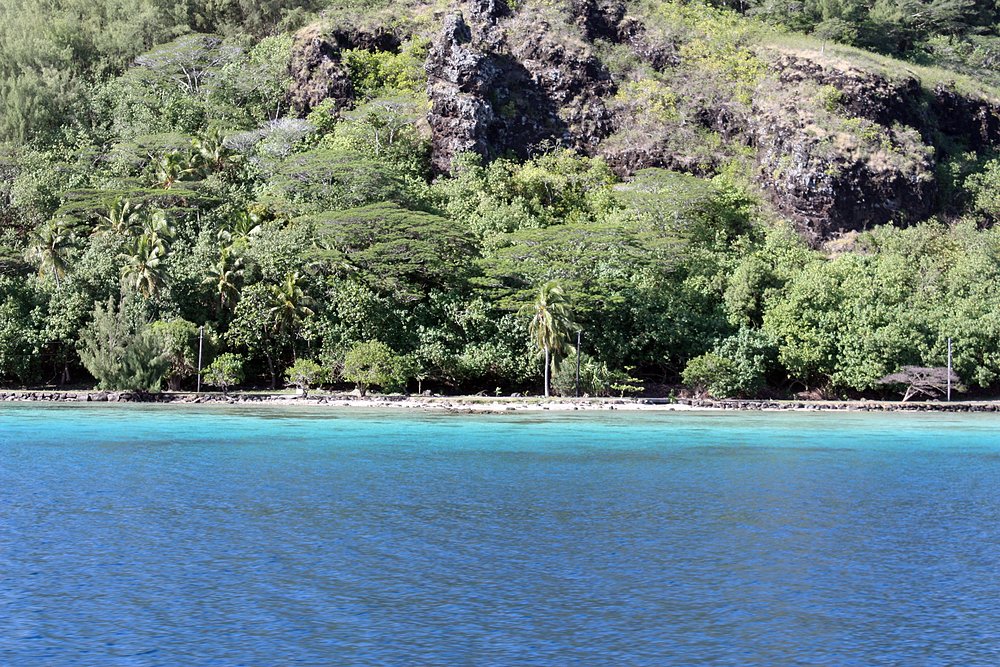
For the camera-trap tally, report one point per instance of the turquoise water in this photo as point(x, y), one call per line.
point(159, 536)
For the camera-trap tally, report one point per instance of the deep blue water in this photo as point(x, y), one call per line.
point(157, 536)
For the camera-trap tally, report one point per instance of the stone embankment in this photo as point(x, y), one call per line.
point(847, 406)
point(482, 404)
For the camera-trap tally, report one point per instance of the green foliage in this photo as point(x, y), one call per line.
point(649, 96)
point(719, 43)
point(374, 73)
point(146, 149)
point(269, 319)
point(52, 248)
point(710, 373)
point(374, 363)
point(504, 196)
point(847, 322)
point(19, 334)
point(253, 88)
point(393, 249)
point(179, 342)
point(737, 367)
point(120, 351)
point(624, 383)
point(329, 180)
point(385, 130)
point(596, 379)
point(305, 373)
point(593, 376)
point(225, 372)
point(985, 190)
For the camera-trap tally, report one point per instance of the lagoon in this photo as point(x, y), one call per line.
point(167, 535)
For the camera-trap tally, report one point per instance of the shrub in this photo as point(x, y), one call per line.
point(120, 351)
point(712, 374)
point(304, 374)
point(594, 376)
point(178, 340)
point(225, 372)
point(374, 363)
point(738, 366)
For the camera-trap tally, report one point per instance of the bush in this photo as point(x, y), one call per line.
point(120, 351)
point(178, 340)
point(710, 374)
point(225, 372)
point(737, 367)
point(305, 373)
point(376, 364)
point(596, 379)
point(593, 376)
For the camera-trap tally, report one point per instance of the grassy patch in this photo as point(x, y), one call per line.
point(840, 56)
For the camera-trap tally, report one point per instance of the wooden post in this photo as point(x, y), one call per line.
point(949, 368)
point(201, 339)
point(578, 334)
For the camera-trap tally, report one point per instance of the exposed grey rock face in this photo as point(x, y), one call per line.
point(459, 80)
point(829, 193)
point(316, 68)
point(975, 121)
point(505, 89)
point(503, 82)
point(831, 182)
point(317, 73)
point(863, 94)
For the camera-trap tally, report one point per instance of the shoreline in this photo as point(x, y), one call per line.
point(488, 404)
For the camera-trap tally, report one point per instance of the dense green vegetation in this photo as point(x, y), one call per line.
point(960, 34)
point(153, 181)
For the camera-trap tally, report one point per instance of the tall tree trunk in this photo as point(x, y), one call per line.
point(546, 371)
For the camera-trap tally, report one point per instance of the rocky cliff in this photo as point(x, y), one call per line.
point(835, 146)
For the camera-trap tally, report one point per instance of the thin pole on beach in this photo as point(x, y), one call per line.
point(201, 339)
point(578, 334)
point(949, 368)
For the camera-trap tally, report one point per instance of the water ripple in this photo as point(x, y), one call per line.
point(141, 536)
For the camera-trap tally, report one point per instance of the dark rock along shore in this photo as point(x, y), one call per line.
point(459, 401)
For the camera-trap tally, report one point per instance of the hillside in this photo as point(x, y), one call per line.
point(739, 200)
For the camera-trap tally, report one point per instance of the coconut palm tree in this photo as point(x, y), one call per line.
point(121, 218)
point(289, 304)
point(158, 228)
point(225, 278)
point(247, 223)
point(172, 167)
point(50, 247)
point(144, 269)
point(551, 323)
point(210, 151)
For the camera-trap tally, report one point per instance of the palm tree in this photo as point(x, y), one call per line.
point(211, 152)
point(246, 223)
point(122, 217)
point(551, 323)
point(289, 304)
point(50, 248)
point(225, 278)
point(144, 268)
point(172, 167)
point(158, 229)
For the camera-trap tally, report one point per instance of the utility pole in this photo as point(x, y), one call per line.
point(201, 340)
point(949, 368)
point(578, 334)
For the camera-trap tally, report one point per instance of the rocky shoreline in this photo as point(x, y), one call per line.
point(483, 404)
